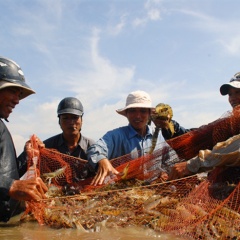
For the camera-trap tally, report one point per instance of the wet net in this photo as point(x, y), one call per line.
point(201, 206)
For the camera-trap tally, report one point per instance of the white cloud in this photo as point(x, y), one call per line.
point(102, 77)
point(231, 45)
point(152, 12)
point(117, 28)
point(52, 39)
point(139, 21)
point(102, 90)
point(224, 30)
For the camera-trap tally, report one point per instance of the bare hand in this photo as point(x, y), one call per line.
point(179, 170)
point(32, 147)
point(27, 190)
point(164, 176)
point(105, 168)
point(160, 122)
point(39, 143)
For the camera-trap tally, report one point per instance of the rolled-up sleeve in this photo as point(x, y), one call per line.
point(100, 150)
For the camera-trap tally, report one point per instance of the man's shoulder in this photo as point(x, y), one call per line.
point(118, 131)
point(52, 139)
point(89, 140)
point(2, 124)
point(3, 127)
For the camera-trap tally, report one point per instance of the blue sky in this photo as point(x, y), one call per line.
point(179, 51)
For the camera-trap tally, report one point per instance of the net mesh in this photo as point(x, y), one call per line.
point(202, 206)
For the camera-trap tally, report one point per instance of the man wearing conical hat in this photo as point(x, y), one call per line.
point(13, 88)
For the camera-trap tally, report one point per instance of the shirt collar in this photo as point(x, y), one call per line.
point(132, 132)
point(81, 142)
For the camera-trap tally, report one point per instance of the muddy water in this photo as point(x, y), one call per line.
point(14, 230)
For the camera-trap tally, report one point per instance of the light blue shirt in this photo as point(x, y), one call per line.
point(122, 141)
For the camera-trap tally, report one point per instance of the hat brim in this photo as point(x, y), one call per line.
point(122, 111)
point(224, 89)
point(70, 111)
point(25, 90)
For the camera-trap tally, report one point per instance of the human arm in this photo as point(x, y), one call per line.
point(202, 162)
point(31, 149)
point(98, 155)
point(171, 128)
point(27, 190)
point(223, 154)
point(113, 144)
point(162, 118)
point(105, 168)
point(98, 161)
point(179, 170)
point(10, 185)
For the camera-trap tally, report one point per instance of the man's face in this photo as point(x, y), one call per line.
point(9, 98)
point(70, 123)
point(138, 117)
point(234, 96)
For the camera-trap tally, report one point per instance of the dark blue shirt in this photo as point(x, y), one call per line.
point(57, 142)
point(178, 130)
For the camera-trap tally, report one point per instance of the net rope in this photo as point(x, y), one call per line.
point(201, 206)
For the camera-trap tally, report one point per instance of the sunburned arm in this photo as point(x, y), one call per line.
point(105, 168)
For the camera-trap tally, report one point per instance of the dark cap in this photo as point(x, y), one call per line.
point(11, 75)
point(70, 105)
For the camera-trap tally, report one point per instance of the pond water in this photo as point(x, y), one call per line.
point(14, 230)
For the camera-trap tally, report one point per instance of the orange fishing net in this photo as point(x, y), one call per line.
point(196, 207)
point(206, 136)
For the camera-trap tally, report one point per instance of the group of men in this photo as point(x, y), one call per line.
point(132, 139)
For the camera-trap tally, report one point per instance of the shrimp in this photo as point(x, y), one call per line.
point(125, 172)
point(56, 174)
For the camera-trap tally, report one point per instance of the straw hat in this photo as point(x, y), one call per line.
point(137, 99)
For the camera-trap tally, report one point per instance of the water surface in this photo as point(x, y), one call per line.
point(15, 230)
